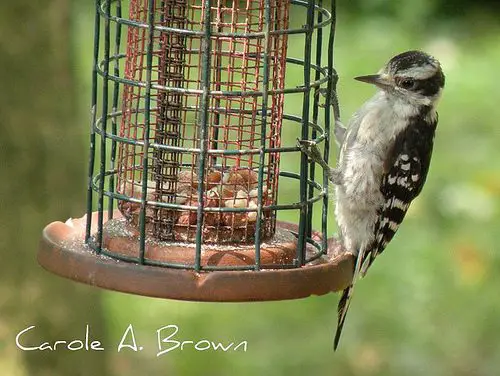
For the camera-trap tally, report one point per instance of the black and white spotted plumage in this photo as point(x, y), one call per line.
point(384, 159)
point(403, 182)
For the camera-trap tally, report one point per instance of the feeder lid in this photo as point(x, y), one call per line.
point(64, 252)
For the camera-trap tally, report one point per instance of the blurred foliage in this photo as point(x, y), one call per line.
point(42, 179)
point(421, 11)
point(430, 304)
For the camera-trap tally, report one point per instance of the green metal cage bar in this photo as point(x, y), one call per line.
point(116, 88)
point(93, 103)
point(102, 164)
point(331, 100)
point(315, 114)
point(299, 89)
point(263, 129)
point(147, 129)
point(205, 78)
point(304, 165)
point(122, 21)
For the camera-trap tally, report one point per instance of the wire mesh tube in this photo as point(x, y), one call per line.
point(234, 122)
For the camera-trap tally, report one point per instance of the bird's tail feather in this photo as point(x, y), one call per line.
point(344, 303)
point(345, 300)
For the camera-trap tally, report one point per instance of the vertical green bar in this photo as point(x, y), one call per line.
point(93, 118)
point(104, 122)
point(331, 88)
point(301, 243)
point(315, 114)
point(203, 125)
point(116, 95)
point(263, 130)
point(147, 130)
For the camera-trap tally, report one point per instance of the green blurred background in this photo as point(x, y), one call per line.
point(429, 306)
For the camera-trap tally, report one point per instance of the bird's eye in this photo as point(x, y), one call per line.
point(407, 83)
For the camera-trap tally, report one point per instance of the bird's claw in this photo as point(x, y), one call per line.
point(320, 93)
point(302, 144)
point(310, 148)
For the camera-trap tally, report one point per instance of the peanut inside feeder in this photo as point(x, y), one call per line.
point(236, 188)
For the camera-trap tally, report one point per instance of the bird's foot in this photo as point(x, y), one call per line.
point(309, 148)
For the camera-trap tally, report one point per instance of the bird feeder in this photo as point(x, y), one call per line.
point(186, 145)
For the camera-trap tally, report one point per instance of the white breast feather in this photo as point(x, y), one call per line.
point(362, 161)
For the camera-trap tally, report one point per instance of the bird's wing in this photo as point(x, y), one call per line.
point(402, 182)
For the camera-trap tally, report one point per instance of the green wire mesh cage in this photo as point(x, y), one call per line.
point(186, 141)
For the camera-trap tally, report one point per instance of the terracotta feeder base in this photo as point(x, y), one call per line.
point(64, 252)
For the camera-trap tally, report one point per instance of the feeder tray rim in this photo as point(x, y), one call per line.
point(80, 263)
point(257, 35)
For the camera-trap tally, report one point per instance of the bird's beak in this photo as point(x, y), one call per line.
point(376, 79)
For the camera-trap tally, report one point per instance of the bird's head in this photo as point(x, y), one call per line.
point(413, 77)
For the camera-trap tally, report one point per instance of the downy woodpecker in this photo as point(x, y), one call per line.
point(384, 157)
